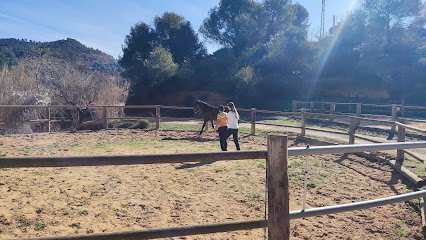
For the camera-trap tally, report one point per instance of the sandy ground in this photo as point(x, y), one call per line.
point(65, 201)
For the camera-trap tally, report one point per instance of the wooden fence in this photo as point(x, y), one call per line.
point(396, 111)
point(107, 116)
point(108, 110)
point(108, 113)
point(398, 128)
point(279, 216)
point(303, 115)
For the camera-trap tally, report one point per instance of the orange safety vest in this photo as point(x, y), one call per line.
point(221, 120)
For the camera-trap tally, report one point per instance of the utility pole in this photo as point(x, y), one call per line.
point(322, 28)
point(334, 21)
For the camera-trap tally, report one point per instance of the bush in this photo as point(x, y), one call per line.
point(141, 124)
point(94, 126)
point(121, 124)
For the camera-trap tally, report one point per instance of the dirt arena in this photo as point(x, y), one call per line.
point(63, 201)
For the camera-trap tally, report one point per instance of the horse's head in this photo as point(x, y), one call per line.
point(197, 107)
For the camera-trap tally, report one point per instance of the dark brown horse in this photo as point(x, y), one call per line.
point(209, 112)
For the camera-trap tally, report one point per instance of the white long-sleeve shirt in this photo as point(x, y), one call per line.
point(232, 120)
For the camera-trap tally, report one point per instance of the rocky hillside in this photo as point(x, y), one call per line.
point(70, 50)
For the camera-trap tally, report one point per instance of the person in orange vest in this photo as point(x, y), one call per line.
point(222, 127)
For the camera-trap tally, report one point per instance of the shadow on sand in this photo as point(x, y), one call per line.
point(192, 165)
point(192, 139)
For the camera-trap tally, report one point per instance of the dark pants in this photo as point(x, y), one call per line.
point(234, 133)
point(222, 137)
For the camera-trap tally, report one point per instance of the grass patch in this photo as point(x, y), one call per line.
point(23, 223)
point(39, 226)
point(261, 164)
point(296, 163)
point(283, 120)
point(141, 124)
point(76, 225)
point(414, 166)
point(219, 169)
point(36, 172)
point(401, 231)
point(296, 176)
point(83, 213)
point(253, 195)
point(182, 127)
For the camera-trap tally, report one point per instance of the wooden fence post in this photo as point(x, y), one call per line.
point(2, 124)
point(358, 112)
point(332, 110)
point(352, 128)
point(105, 117)
point(303, 122)
point(294, 106)
point(423, 215)
point(394, 116)
point(253, 121)
point(401, 138)
point(48, 118)
point(157, 117)
point(278, 197)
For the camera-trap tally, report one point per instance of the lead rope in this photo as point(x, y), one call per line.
point(305, 182)
point(265, 223)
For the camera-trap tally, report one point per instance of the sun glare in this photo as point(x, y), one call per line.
point(330, 46)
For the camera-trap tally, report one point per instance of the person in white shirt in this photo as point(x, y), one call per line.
point(233, 118)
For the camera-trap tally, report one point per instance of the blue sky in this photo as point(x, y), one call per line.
point(103, 24)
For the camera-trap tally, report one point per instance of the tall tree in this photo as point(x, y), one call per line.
point(384, 17)
point(160, 66)
point(151, 56)
point(376, 47)
point(138, 46)
point(269, 40)
point(234, 23)
point(176, 34)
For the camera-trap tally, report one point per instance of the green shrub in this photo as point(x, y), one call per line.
point(122, 124)
point(141, 124)
point(94, 126)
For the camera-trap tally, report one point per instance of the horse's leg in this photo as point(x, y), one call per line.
point(202, 128)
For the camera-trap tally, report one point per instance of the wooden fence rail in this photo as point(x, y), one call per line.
point(157, 117)
point(304, 115)
point(76, 161)
point(79, 161)
point(165, 232)
point(393, 108)
point(240, 225)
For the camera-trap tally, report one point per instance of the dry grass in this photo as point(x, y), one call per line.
point(48, 81)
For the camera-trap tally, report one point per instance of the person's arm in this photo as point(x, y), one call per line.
point(215, 122)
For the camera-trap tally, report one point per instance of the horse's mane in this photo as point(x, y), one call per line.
point(206, 103)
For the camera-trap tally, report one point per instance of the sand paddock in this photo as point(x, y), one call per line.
point(64, 201)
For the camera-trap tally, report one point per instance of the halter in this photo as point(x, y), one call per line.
point(200, 105)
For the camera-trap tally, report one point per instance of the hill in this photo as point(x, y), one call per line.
point(70, 50)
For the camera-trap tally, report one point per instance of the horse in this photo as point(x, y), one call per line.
point(209, 112)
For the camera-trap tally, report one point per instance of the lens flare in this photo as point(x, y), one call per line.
point(329, 48)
